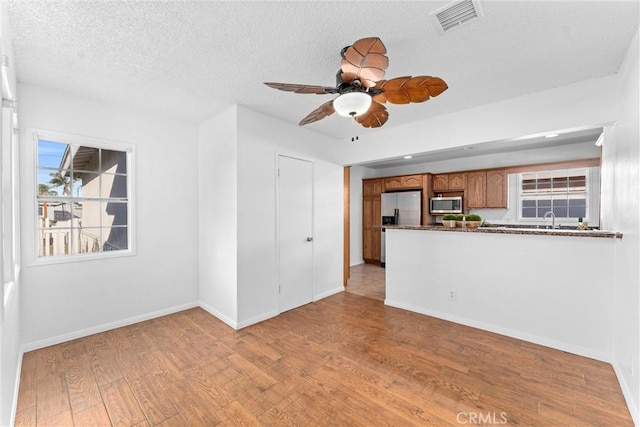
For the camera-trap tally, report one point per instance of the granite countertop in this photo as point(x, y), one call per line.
point(511, 230)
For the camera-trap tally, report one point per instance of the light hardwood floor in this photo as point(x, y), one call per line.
point(346, 360)
point(367, 280)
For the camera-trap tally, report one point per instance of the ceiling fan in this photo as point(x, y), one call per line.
point(361, 89)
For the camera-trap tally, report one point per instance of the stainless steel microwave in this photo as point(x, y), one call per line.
point(445, 205)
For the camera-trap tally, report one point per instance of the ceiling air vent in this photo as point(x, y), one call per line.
point(455, 14)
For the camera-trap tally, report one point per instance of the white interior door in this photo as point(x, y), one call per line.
point(295, 229)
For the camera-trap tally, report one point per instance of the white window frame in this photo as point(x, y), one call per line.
point(592, 199)
point(34, 135)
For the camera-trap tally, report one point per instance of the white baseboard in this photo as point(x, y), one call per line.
point(105, 327)
point(16, 388)
point(628, 396)
point(558, 345)
point(257, 319)
point(328, 293)
point(212, 311)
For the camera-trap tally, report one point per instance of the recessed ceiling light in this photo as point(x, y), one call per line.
point(551, 135)
point(408, 157)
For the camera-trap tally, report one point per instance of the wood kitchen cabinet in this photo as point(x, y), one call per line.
point(486, 189)
point(476, 191)
point(412, 181)
point(404, 182)
point(449, 181)
point(457, 181)
point(371, 216)
point(440, 182)
point(372, 187)
point(496, 188)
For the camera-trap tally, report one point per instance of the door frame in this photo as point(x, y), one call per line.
point(277, 156)
point(346, 226)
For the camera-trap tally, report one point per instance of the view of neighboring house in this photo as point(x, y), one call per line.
point(82, 200)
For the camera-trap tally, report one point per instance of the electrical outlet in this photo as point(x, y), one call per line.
point(452, 295)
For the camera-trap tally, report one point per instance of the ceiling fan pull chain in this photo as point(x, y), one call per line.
point(353, 124)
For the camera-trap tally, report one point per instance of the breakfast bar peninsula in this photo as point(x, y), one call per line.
point(516, 282)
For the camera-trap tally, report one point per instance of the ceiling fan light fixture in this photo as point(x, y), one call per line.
point(352, 104)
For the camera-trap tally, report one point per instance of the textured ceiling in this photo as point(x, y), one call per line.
point(191, 59)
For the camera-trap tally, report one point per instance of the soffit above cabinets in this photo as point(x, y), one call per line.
point(586, 140)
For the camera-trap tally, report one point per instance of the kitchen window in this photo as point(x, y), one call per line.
point(563, 192)
point(83, 199)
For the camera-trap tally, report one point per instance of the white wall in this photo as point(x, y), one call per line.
point(9, 313)
point(218, 215)
point(63, 301)
point(260, 140)
point(238, 244)
point(621, 206)
point(552, 290)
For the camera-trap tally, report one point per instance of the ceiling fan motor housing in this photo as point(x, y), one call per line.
point(344, 87)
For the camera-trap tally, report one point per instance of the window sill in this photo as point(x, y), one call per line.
point(52, 260)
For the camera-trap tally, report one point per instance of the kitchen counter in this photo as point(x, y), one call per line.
point(554, 291)
point(512, 230)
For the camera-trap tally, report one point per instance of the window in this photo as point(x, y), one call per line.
point(563, 192)
point(83, 198)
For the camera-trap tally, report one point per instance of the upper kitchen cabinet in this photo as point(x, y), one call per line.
point(372, 187)
point(486, 189)
point(456, 181)
point(404, 182)
point(476, 191)
point(497, 188)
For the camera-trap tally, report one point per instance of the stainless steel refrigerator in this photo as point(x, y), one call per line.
point(399, 208)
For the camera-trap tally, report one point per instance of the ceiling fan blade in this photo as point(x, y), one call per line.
point(375, 117)
point(366, 61)
point(291, 87)
point(319, 113)
point(404, 90)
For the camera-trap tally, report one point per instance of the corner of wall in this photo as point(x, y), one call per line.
point(218, 215)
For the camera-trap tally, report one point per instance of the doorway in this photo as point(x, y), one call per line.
point(295, 232)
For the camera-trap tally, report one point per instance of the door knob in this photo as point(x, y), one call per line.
point(309, 239)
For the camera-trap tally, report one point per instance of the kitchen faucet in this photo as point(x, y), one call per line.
point(553, 218)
